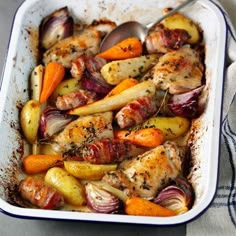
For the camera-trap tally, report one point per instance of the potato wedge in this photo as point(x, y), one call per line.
point(146, 88)
point(179, 21)
point(85, 170)
point(116, 71)
point(72, 190)
point(172, 127)
point(65, 87)
point(29, 120)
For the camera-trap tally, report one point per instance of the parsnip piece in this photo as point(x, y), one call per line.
point(72, 190)
point(116, 71)
point(85, 170)
point(36, 81)
point(84, 130)
point(146, 88)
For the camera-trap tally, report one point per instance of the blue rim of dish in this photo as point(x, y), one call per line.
point(227, 31)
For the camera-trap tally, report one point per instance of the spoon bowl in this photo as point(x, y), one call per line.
point(134, 29)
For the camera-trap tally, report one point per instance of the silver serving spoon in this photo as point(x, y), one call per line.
point(134, 29)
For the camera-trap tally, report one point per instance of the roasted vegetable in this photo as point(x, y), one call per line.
point(38, 193)
point(68, 49)
point(123, 85)
point(141, 207)
point(84, 130)
point(177, 197)
point(53, 121)
point(116, 71)
point(106, 151)
point(34, 164)
point(53, 75)
point(186, 104)
point(29, 120)
point(95, 82)
point(55, 27)
point(172, 127)
point(179, 21)
point(66, 86)
point(127, 48)
point(101, 201)
point(36, 82)
point(146, 88)
point(150, 137)
point(70, 187)
point(85, 170)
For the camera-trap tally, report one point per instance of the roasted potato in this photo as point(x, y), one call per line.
point(179, 21)
point(85, 170)
point(72, 190)
point(172, 127)
point(29, 120)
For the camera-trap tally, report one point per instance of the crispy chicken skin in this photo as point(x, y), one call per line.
point(178, 71)
point(68, 49)
point(146, 174)
point(84, 130)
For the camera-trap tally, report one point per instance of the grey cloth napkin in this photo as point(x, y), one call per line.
point(220, 218)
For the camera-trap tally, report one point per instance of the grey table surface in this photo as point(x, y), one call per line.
point(23, 227)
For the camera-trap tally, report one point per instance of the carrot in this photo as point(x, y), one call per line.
point(128, 48)
point(53, 75)
point(123, 85)
point(141, 207)
point(149, 137)
point(34, 164)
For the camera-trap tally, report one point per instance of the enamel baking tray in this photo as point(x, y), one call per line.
point(21, 59)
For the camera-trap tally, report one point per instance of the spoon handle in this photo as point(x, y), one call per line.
point(170, 13)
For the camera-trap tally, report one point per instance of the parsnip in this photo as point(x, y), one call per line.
point(36, 81)
point(146, 88)
point(72, 190)
point(116, 71)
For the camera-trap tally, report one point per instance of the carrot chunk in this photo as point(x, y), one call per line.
point(141, 207)
point(54, 73)
point(149, 137)
point(127, 48)
point(34, 164)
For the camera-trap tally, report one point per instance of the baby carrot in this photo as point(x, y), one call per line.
point(149, 137)
point(123, 85)
point(34, 164)
point(128, 48)
point(53, 75)
point(141, 207)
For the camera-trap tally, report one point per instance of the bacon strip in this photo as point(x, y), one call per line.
point(106, 151)
point(136, 112)
point(39, 194)
point(75, 99)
